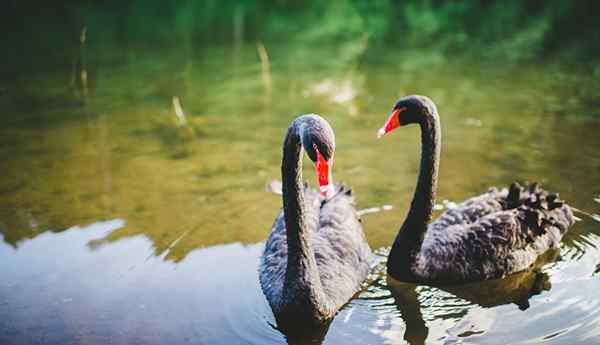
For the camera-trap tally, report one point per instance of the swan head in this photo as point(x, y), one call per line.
point(318, 141)
point(408, 110)
point(316, 136)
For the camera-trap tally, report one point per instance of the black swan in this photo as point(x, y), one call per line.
point(316, 256)
point(488, 236)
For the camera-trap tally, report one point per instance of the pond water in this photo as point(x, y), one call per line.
point(134, 201)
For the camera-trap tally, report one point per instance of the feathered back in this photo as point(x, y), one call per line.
point(493, 234)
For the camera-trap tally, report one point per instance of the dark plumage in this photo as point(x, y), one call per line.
point(487, 236)
point(312, 267)
point(492, 235)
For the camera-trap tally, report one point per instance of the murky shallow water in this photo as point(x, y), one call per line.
point(120, 225)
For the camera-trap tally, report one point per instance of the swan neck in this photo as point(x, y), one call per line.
point(409, 239)
point(421, 208)
point(302, 283)
point(293, 196)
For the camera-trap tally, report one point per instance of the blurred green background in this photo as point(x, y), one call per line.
point(138, 140)
point(515, 30)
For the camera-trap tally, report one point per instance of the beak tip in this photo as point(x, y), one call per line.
point(327, 191)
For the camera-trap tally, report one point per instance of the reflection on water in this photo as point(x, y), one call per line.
point(176, 148)
point(462, 303)
point(63, 288)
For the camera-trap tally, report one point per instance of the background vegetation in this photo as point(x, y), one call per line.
point(488, 28)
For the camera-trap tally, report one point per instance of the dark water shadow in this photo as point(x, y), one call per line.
point(300, 334)
point(515, 289)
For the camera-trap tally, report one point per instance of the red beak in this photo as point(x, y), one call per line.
point(392, 122)
point(323, 168)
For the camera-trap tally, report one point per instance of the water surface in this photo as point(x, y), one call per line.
point(124, 223)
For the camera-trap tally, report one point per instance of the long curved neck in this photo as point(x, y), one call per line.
point(421, 206)
point(302, 284)
point(409, 239)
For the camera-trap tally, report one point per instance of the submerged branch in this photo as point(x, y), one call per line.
point(265, 67)
point(180, 115)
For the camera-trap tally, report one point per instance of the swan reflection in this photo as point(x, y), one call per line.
point(516, 289)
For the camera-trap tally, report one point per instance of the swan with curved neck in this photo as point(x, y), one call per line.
point(488, 236)
point(316, 256)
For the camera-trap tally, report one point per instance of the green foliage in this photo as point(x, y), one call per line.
point(505, 29)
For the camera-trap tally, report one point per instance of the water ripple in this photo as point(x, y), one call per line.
point(194, 301)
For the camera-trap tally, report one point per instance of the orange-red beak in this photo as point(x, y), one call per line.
point(323, 168)
point(392, 122)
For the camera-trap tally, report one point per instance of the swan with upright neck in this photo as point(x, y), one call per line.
point(488, 236)
point(316, 256)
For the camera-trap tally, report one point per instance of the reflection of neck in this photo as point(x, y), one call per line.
point(407, 300)
point(412, 232)
point(302, 285)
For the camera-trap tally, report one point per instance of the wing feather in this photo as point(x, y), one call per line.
point(493, 235)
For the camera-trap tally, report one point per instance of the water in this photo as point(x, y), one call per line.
point(124, 223)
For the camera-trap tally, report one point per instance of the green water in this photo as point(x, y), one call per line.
point(122, 223)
